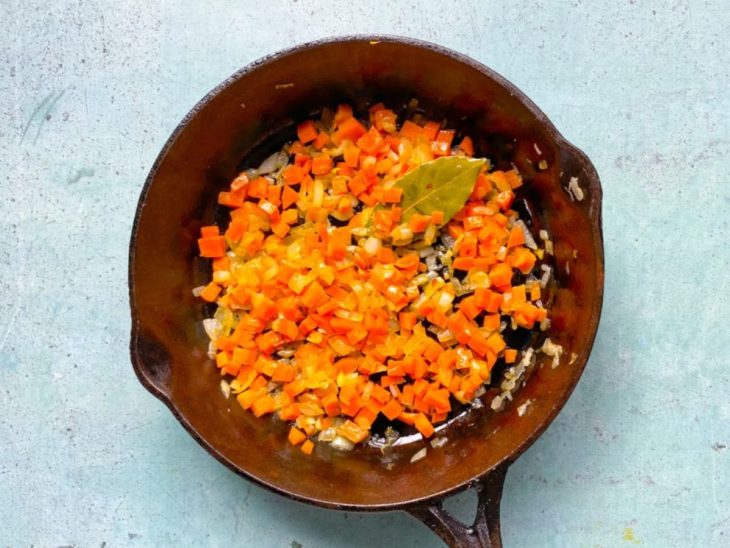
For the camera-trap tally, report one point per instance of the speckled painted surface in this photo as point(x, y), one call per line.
point(88, 95)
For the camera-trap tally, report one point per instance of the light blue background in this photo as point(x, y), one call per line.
point(89, 92)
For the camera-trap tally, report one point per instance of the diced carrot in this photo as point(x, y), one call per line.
point(239, 182)
point(410, 130)
point(513, 178)
point(289, 216)
point(352, 431)
point(288, 197)
point(469, 308)
point(526, 315)
point(479, 344)
point(230, 199)
point(307, 447)
point(338, 242)
point(384, 120)
point(211, 292)
point(263, 406)
point(437, 217)
point(505, 199)
point(343, 112)
point(296, 436)
point(258, 188)
point(274, 195)
point(392, 409)
point(495, 301)
point(496, 343)
point(293, 174)
point(473, 222)
point(382, 220)
point(392, 195)
point(245, 356)
point(499, 179)
point(221, 263)
point(430, 130)
point(235, 230)
point(535, 292)
point(357, 185)
point(500, 275)
point(211, 247)
point(438, 398)
point(267, 342)
point(491, 322)
point(389, 380)
point(331, 405)
point(365, 418)
point(247, 397)
point(463, 263)
point(510, 355)
point(352, 155)
point(516, 237)
point(351, 129)
point(287, 328)
point(209, 231)
point(407, 320)
point(441, 145)
point(467, 146)
point(519, 295)
point(418, 222)
point(321, 164)
point(523, 260)
point(307, 131)
point(321, 140)
point(423, 425)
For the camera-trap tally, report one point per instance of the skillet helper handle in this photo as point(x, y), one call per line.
point(151, 362)
point(484, 532)
point(588, 194)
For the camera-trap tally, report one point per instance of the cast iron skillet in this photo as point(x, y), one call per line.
point(259, 104)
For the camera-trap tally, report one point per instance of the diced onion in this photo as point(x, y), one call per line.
point(272, 163)
point(212, 328)
point(546, 273)
point(574, 189)
point(419, 455)
point(554, 350)
point(372, 245)
point(529, 240)
point(445, 300)
point(327, 435)
point(522, 409)
point(439, 442)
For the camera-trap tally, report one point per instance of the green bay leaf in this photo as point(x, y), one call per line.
point(443, 184)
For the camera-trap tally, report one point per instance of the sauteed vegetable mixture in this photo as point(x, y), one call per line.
point(369, 272)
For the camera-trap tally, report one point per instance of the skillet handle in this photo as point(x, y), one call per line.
point(484, 532)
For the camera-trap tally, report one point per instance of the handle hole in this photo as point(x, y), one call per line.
point(463, 506)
